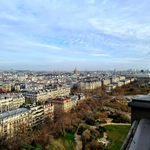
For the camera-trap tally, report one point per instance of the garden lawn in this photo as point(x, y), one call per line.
point(116, 134)
point(68, 139)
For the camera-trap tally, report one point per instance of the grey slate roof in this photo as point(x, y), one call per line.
point(13, 112)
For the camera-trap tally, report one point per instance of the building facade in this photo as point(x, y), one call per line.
point(89, 85)
point(11, 101)
point(12, 121)
point(23, 118)
point(43, 95)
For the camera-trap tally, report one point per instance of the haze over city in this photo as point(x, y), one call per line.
point(87, 34)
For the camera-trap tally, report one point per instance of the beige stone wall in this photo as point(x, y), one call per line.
point(10, 125)
point(49, 111)
point(43, 96)
point(106, 81)
point(11, 102)
point(6, 87)
point(90, 85)
point(122, 77)
point(64, 105)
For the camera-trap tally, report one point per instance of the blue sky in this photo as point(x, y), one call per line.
point(64, 34)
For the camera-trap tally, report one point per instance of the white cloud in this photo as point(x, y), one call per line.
point(75, 30)
point(46, 46)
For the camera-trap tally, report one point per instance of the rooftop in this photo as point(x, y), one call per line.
point(12, 112)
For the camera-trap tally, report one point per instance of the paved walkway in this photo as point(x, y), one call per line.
point(78, 141)
point(104, 139)
point(115, 124)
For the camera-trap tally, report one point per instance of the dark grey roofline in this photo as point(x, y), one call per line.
point(139, 105)
point(139, 136)
point(142, 99)
point(13, 112)
point(130, 135)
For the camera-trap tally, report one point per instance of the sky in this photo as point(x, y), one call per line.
point(64, 34)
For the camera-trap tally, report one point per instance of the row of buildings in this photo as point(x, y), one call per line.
point(44, 94)
point(112, 82)
point(38, 95)
point(24, 118)
point(30, 108)
point(36, 81)
point(119, 83)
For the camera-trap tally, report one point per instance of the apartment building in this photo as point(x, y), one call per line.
point(126, 81)
point(62, 91)
point(109, 87)
point(132, 79)
point(64, 103)
point(89, 85)
point(43, 95)
point(122, 77)
point(12, 121)
point(18, 86)
point(114, 79)
point(117, 81)
point(7, 86)
point(23, 118)
point(36, 96)
point(138, 75)
point(106, 81)
point(38, 113)
point(48, 110)
point(11, 101)
point(120, 84)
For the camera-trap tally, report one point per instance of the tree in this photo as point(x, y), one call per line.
point(86, 136)
point(90, 118)
point(81, 129)
point(94, 133)
point(55, 145)
point(101, 129)
point(94, 145)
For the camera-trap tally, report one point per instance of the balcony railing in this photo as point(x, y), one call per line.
point(138, 137)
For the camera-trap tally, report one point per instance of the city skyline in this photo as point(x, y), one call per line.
point(62, 35)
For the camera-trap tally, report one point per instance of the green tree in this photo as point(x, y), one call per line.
point(55, 145)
